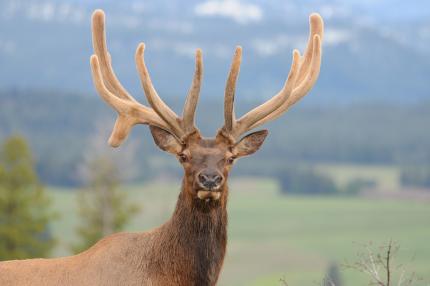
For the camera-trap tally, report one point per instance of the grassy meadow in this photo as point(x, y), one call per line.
point(273, 236)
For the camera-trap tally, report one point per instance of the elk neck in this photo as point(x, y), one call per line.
point(206, 218)
point(199, 232)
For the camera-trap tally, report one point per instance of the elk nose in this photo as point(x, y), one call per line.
point(210, 179)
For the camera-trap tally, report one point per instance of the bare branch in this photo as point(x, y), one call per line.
point(371, 263)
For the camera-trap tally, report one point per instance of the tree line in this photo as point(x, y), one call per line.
point(58, 125)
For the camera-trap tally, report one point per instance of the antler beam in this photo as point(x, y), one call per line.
point(303, 74)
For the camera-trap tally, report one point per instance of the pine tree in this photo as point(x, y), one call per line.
point(104, 209)
point(24, 206)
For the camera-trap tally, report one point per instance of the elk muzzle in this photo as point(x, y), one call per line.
point(209, 182)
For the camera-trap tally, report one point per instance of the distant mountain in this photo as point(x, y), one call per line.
point(373, 50)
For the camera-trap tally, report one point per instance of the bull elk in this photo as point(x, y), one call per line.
point(189, 248)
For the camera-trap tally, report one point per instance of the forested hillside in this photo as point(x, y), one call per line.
point(58, 127)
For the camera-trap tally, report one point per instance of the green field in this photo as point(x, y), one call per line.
point(273, 236)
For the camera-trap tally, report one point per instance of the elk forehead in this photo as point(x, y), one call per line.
point(207, 152)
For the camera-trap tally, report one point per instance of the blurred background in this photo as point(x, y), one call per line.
point(348, 165)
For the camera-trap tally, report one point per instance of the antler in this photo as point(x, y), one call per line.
point(303, 74)
point(131, 112)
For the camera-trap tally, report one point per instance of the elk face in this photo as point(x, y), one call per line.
point(207, 162)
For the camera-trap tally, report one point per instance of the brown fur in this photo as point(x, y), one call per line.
point(188, 249)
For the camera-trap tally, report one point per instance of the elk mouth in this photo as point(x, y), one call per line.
point(208, 195)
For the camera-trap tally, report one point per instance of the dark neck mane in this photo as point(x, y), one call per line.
point(198, 232)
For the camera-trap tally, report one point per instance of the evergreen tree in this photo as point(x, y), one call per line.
point(24, 206)
point(104, 209)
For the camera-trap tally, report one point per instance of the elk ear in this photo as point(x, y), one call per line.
point(165, 140)
point(250, 143)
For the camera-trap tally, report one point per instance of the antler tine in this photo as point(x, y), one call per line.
point(229, 114)
point(154, 99)
point(129, 112)
point(100, 49)
point(104, 92)
point(193, 96)
point(311, 76)
point(316, 28)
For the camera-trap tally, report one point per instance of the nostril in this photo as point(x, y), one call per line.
point(202, 178)
point(217, 179)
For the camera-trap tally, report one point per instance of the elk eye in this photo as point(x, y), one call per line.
point(182, 158)
point(231, 160)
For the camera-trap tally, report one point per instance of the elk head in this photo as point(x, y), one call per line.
point(206, 161)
